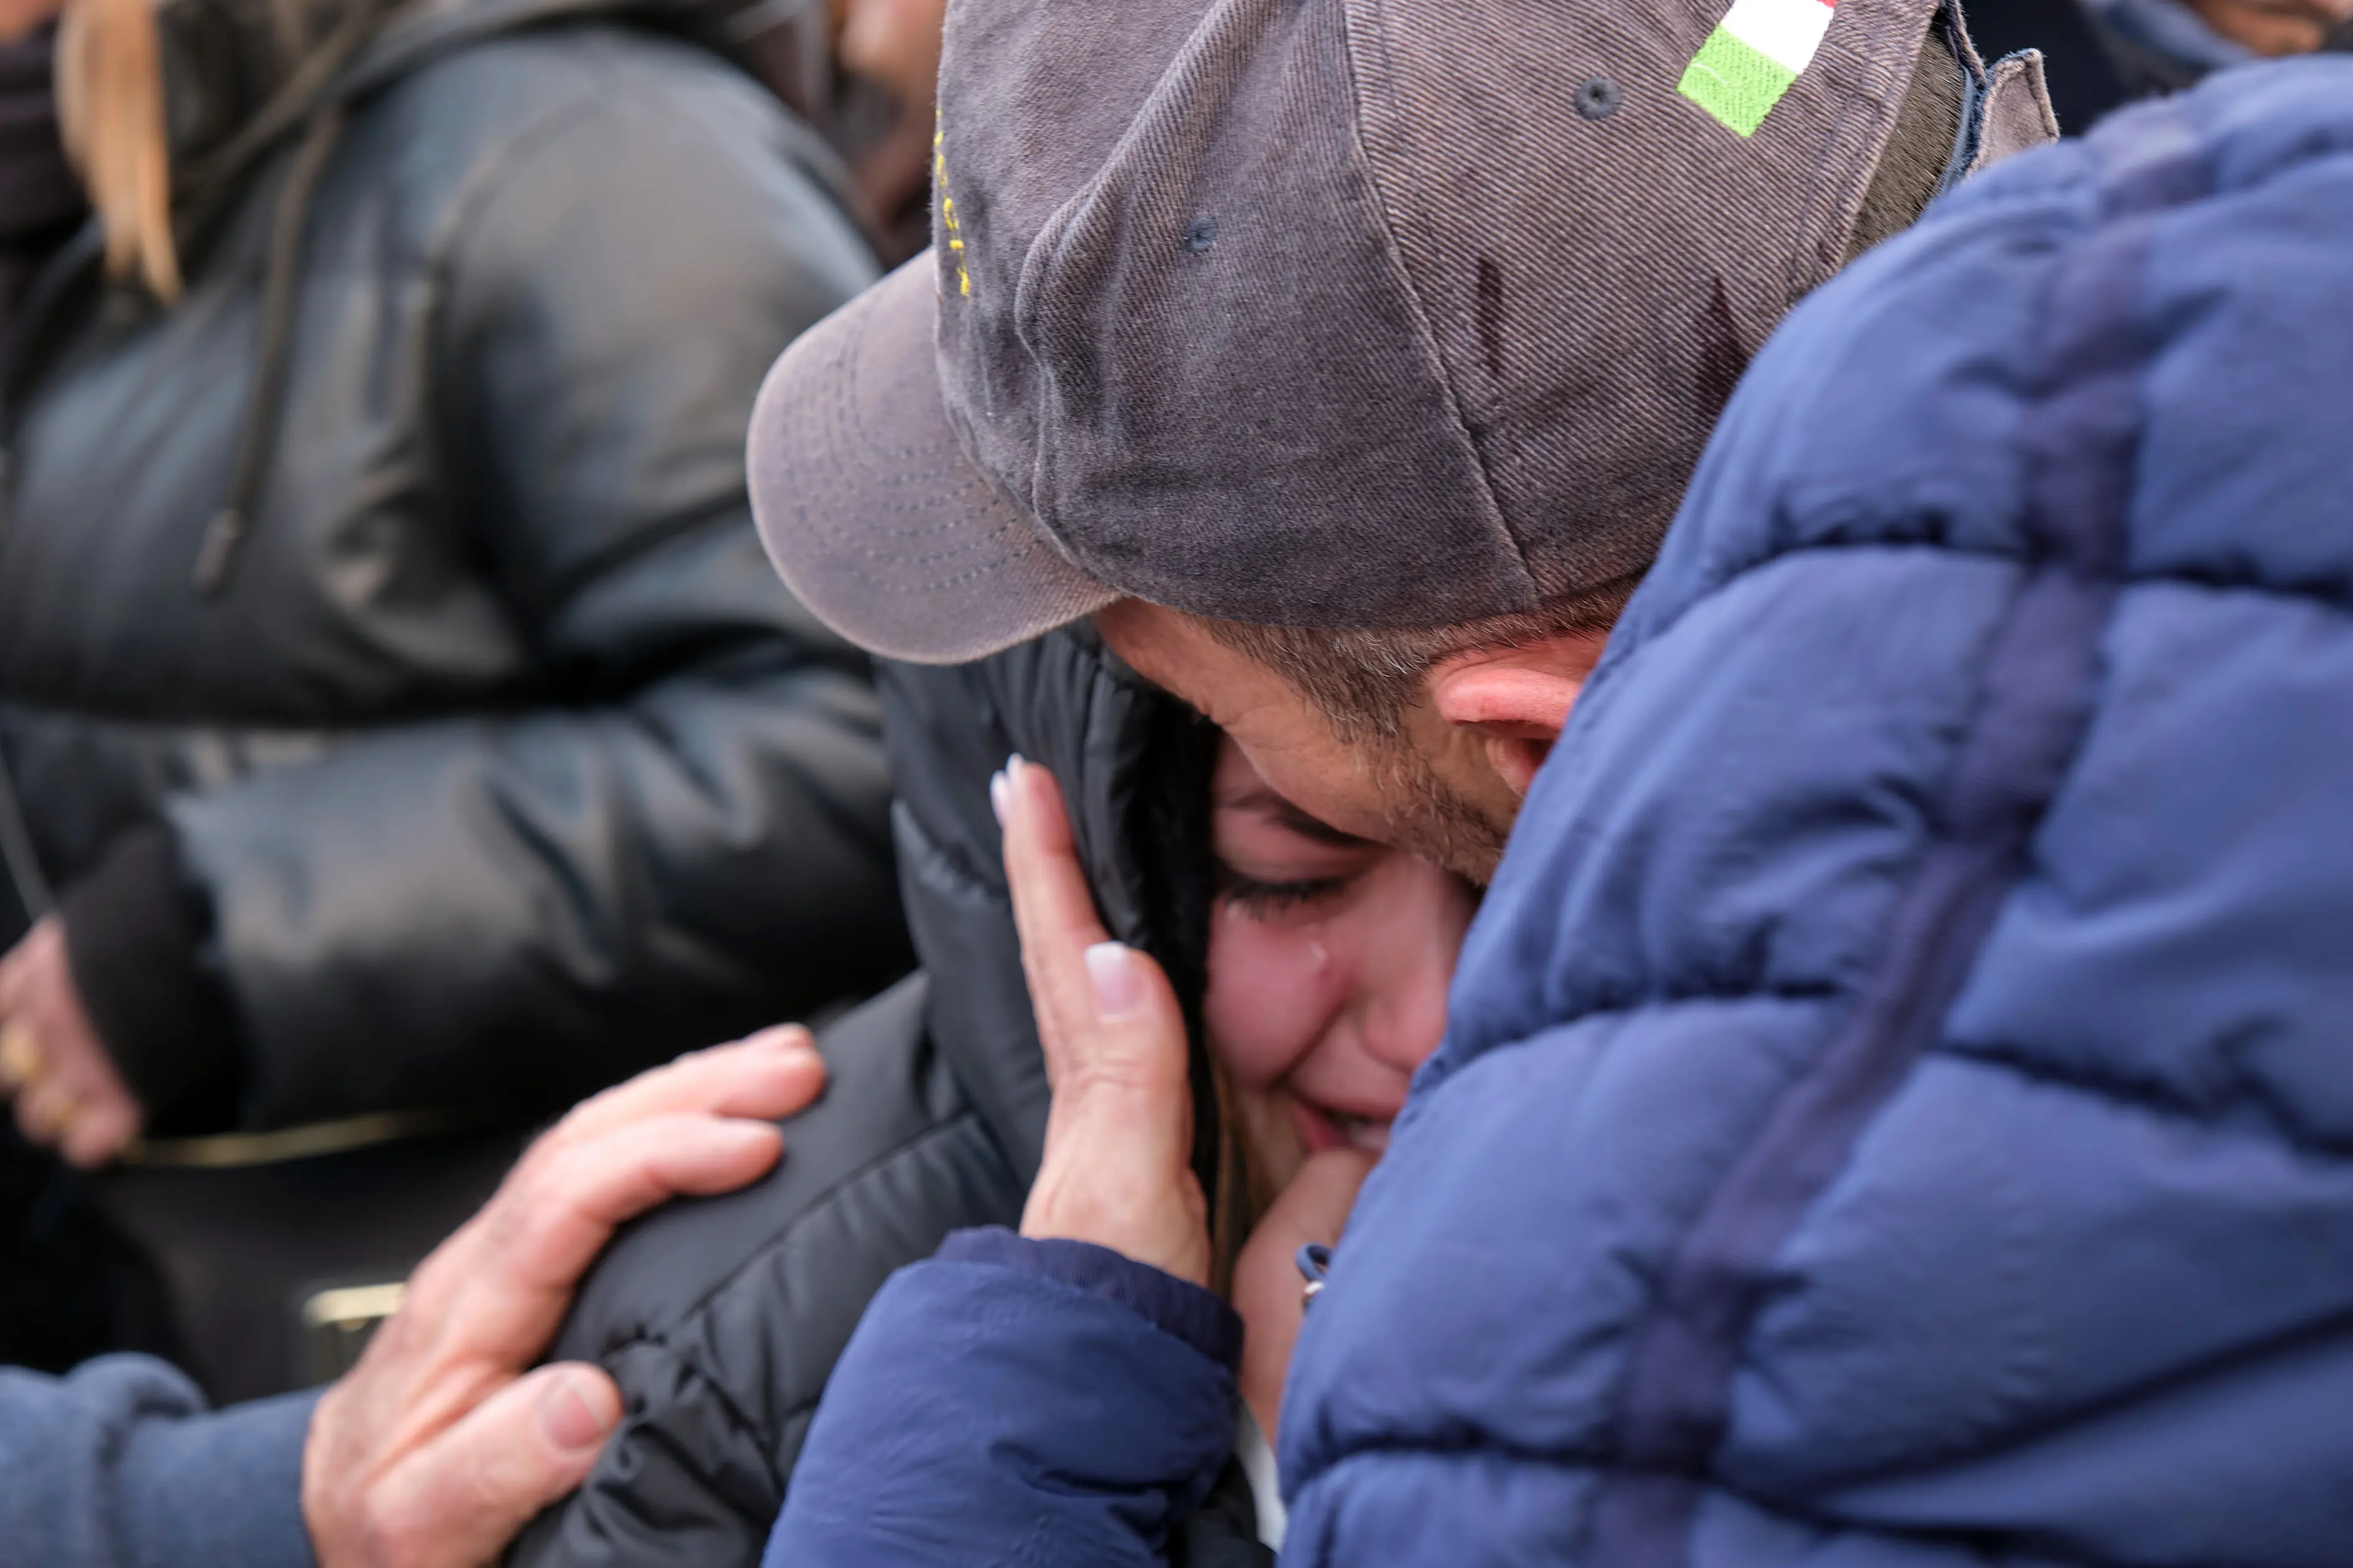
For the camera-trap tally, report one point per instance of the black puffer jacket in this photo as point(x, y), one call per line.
point(491, 762)
point(722, 1320)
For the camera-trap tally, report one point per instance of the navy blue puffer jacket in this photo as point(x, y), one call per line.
point(1898, 1105)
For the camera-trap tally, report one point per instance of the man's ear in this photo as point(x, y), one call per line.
point(1516, 703)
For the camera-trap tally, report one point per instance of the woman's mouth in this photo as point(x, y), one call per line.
point(1324, 1129)
point(1363, 1132)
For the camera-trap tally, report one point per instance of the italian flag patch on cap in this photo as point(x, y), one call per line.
point(1754, 57)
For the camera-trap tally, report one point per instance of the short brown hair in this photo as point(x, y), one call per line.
point(1365, 680)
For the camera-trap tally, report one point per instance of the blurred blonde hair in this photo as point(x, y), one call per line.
point(109, 86)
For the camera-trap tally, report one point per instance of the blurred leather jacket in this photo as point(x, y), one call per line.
point(392, 684)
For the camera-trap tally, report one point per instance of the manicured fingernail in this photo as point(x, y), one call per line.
point(1118, 979)
point(569, 1418)
point(733, 1137)
point(788, 1039)
point(1001, 792)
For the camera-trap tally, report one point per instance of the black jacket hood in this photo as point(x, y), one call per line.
point(722, 1320)
point(1134, 767)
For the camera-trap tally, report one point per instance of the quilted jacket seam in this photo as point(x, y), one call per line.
point(1715, 585)
point(1599, 1464)
point(2329, 1325)
point(661, 1333)
point(2148, 1099)
point(2339, 601)
point(2089, 1084)
point(741, 1424)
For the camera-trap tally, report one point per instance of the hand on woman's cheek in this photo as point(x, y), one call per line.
point(1268, 1291)
point(1117, 1169)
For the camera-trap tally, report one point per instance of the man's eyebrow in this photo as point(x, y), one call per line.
point(1265, 799)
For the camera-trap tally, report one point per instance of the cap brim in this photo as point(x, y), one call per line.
point(871, 510)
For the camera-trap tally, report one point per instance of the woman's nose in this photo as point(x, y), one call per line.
point(1412, 966)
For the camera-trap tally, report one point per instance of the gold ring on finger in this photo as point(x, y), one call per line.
point(21, 1063)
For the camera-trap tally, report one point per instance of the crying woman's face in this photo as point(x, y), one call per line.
point(1329, 961)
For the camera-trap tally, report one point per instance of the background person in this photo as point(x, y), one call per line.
point(889, 54)
point(2163, 45)
point(2084, 78)
point(399, 714)
point(2105, 53)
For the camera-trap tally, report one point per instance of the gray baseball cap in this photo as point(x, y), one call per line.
point(1348, 313)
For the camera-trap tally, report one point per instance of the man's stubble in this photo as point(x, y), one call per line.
point(1428, 814)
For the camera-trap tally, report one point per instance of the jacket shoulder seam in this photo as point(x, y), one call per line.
point(660, 1333)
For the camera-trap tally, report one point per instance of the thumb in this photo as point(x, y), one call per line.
point(465, 1496)
point(1119, 1135)
point(1135, 1008)
point(1137, 1048)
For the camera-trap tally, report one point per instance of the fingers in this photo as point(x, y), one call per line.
point(606, 1180)
point(98, 1134)
point(1119, 1136)
point(13, 968)
point(1107, 1013)
point(498, 1288)
point(73, 1100)
point(1135, 1037)
point(492, 1295)
point(464, 1496)
point(67, 1091)
point(1314, 1207)
point(1053, 908)
point(1267, 1289)
point(431, 1453)
point(666, 1133)
point(44, 1110)
point(21, 1063)
point(771, 1075)
point(1316, 1204)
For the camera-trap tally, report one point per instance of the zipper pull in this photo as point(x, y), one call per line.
point(222, 536)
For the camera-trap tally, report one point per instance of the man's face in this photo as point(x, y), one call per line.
point(1431, 789)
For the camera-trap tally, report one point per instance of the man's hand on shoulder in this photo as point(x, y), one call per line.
point(438, 1446)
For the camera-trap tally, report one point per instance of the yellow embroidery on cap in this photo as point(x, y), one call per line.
point(947, 204)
